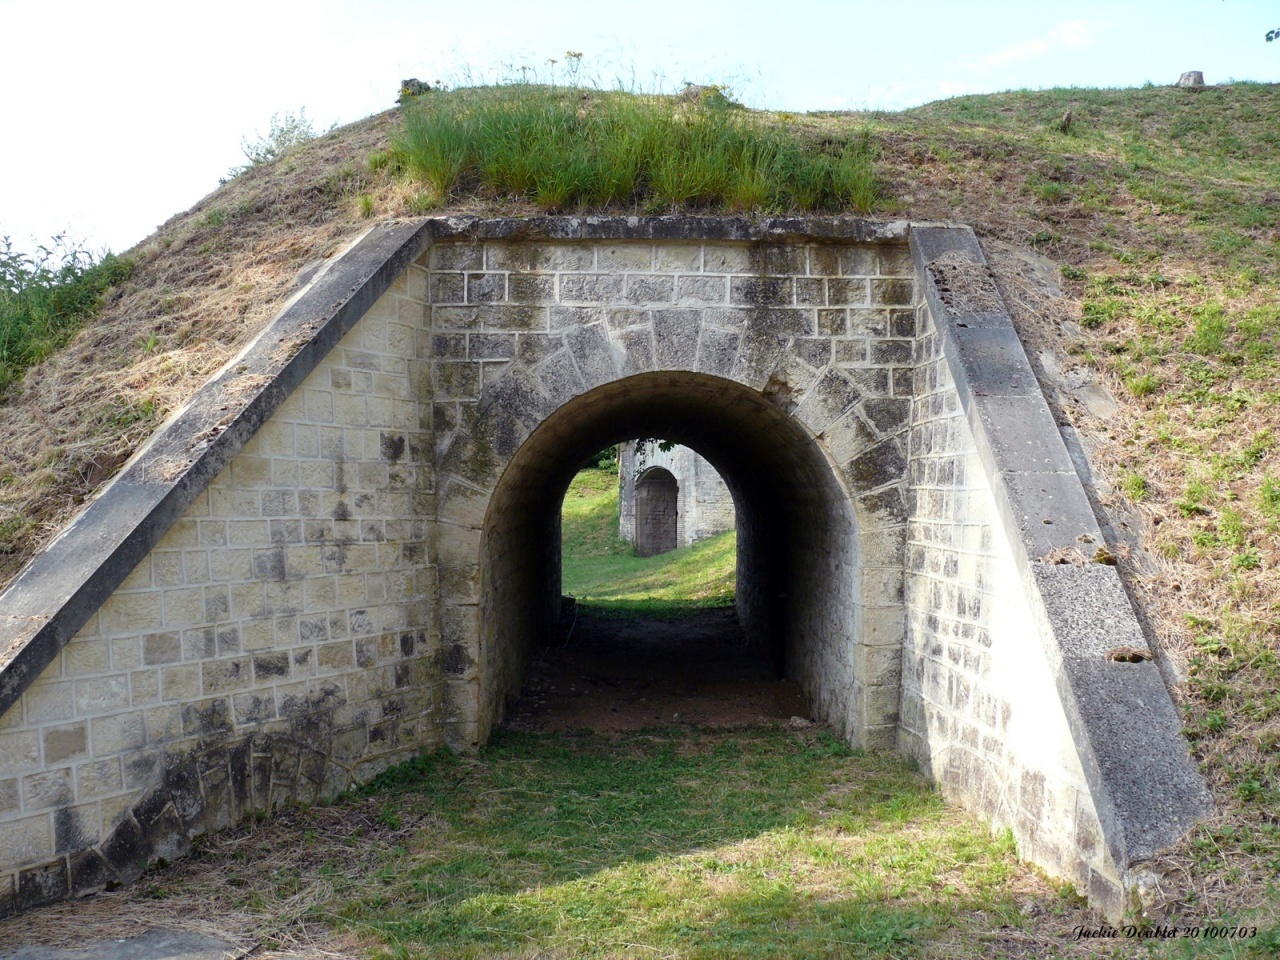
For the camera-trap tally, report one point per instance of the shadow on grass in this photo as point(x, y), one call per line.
point(654, 607)
point(676, 842)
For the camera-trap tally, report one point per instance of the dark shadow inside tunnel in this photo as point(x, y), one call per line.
point(797, 554)
point(647, 634)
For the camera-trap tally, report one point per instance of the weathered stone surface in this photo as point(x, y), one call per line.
point(675, 337)
point(386, 463)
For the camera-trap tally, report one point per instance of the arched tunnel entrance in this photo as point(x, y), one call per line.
point(799, 557)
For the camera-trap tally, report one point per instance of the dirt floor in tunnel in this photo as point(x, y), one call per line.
point(615, 673)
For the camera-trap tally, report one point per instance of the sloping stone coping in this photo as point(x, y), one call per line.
point(1146, 788)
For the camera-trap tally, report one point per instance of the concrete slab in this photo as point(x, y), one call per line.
point(1022, 435)
point(156, 944)
point(992, 362)
point(1136, 755)
point(1088, 609)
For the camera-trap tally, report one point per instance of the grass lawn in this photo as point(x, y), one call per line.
point(676, 843)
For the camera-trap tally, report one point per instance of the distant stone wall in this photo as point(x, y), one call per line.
point(704, 505)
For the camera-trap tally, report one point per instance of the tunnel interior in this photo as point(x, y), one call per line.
point(797, 586)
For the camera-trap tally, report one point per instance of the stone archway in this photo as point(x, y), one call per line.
point(805, 588)
point(657, 512)
point(795, 389)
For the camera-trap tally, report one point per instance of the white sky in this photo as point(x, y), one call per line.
point(116, 115)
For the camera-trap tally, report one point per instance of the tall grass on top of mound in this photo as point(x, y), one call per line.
point(44, 298)
point(563, 148)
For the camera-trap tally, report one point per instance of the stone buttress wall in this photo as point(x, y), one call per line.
point(1012, 695)
point(980, 710)
point(278, 643)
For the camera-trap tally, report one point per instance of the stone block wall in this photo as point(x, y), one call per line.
point(822, 332)
point(278, 643)
point(346, 548)
point(980, 709)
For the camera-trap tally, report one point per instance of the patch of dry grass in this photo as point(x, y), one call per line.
point(206, 283)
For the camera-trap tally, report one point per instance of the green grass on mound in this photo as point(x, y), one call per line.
point(44, 299)
point(564, 148)
point(603, 571)
point(1143, 176)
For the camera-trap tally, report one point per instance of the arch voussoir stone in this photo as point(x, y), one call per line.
point(882, 464)
point(848, 436)
point(718, 350)
point(789, 381)
point(461, 504)
point(830, 398)
point(635, 349)
point(559, 378)
point(472, 459)
point(593, 354)
point(676, 336)
point(766, 336)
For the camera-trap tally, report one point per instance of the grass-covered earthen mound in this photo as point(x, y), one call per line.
point(1135, 233)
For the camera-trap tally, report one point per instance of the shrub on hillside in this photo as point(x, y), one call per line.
point(45, 297)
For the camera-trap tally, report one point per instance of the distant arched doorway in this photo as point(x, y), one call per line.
point(657, 512)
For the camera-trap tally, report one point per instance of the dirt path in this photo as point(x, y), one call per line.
point(615, 674)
